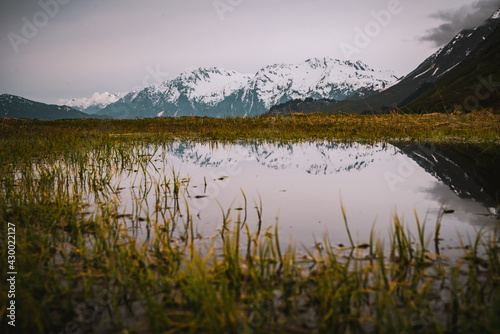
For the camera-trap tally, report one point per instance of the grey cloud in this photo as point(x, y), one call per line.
point(465, 17)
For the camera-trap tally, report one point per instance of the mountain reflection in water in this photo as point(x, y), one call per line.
point(302, 185)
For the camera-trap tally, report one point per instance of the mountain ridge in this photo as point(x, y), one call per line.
point(13, 106)
point(472, 84)
point(413, 84)
point(217, 92)
point(92, 104)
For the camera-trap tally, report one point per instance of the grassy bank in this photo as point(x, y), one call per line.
point(81, 267)
point(480, 126)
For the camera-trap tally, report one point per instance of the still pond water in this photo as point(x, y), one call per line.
point(301, 187)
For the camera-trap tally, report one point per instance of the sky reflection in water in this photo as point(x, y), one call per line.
point(301, 186)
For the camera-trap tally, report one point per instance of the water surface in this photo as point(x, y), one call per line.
point(301, 187)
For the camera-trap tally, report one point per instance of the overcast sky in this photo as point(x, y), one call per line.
point(80, 47)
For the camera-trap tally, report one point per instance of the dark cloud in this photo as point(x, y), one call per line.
point(465, 17)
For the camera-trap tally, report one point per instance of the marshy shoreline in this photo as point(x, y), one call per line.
point(81, 268)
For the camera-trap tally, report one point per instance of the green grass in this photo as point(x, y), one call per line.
point(478, 126)
point(81, 267)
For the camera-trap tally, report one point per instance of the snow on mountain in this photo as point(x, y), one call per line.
point(452, 54)
point(93, 104)
point(203, 85)
point(221, 93)
point(200, 91)
point(496, 15)
point(317, 78)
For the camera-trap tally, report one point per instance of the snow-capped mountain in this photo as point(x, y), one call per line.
point(221, 93)
point(200, 91)
point(93, 104)
point(205, 86)
point(496, 15)
point(449, 56)
point(412, 85)
point(315, 78)
point(457, 87)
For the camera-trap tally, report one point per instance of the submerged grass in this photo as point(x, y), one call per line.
point(82, 268)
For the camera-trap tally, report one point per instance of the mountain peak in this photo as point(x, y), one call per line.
point(194, 69)
point(320, 61)
point(99, 100)
point(327, 61)
point(496, 15)
point(420, 81)
point(207, 71)
point(213, 75)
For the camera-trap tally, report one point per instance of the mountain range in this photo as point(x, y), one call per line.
point(463, 75)
point(217, 92)
point(17, 107)
point(93, 104)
